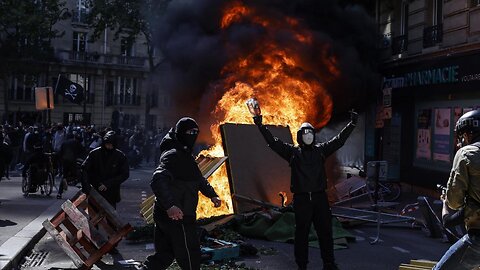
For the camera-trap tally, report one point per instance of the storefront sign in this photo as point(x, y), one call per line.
point(446, 70)
point(441, 75)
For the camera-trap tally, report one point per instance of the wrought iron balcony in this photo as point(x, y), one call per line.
point(399, 44)
point(83, 56)
point(133, 100)
point(432, 35)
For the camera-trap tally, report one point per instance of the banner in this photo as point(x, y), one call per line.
point(424, 138)
point(441, 145)
point(73, 92)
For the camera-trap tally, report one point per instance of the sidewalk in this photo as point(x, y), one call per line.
point(21, 219)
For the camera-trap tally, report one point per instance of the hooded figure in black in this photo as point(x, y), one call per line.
point(176, 183)
point(105, 169)
point(308, 185)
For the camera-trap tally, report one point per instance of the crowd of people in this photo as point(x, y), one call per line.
point(109, 155)
point(22, 145)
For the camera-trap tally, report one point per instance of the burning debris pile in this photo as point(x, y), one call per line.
point(298, 58)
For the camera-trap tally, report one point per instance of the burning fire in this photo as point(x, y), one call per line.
point(288, 87)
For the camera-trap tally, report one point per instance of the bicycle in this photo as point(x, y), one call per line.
point(388, 191)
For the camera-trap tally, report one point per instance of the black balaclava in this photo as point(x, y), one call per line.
point(109, 137)
point(301, 132)
point(184, 124)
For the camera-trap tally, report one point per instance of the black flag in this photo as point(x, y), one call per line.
point(70, 90)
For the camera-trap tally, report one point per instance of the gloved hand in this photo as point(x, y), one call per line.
point(175, 213)
point(217, 202)
point(257, 119)
point(354, 117)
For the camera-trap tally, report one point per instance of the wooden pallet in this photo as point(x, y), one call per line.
point(207, 165)
point(417, 265)
point(87, 228)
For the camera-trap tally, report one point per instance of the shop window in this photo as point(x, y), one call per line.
point(475, 3)
point(435, 142)
point(76, 118)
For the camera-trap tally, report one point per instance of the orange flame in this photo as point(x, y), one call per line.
point(290, 91)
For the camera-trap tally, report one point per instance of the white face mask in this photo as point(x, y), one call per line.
point(308, 138)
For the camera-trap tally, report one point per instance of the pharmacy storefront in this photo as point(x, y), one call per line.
point(427, 98)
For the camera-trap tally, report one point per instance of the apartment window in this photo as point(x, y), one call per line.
point(126, 47)
point(434, 12)
point(127, 91)
point(433, 33)
point(81, 11)
point(22, 87)
point(79, 42)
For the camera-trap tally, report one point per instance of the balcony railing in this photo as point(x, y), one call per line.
point(399, 44)
point(432, 35)
point(130, 60)
point(94, 57)
point(133, 100)
point(83, 56)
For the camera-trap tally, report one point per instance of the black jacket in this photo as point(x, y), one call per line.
point(307, 163)
point(109, 168)
point(177, 180)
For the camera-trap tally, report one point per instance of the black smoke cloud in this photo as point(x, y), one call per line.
point(195, 48)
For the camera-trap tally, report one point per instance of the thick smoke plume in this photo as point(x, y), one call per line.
point(196, 49)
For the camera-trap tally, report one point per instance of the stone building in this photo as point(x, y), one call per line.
point(114, 73)
point(430, 69)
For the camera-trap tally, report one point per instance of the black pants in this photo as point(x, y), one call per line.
point(313, 208)
point(174, 240)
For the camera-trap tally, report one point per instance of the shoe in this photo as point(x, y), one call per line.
point(59, 196)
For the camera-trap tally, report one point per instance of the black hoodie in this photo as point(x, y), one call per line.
point(307, 163)
point(177, 180)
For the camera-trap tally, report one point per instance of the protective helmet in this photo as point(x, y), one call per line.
point(468, 123)
point(305, 127)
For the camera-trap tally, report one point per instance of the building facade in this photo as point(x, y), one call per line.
point(430, 71)
point(113, 71)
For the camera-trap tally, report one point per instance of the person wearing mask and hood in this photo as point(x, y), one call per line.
point(308, 185)
point(176, 183)
point(105, 169)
